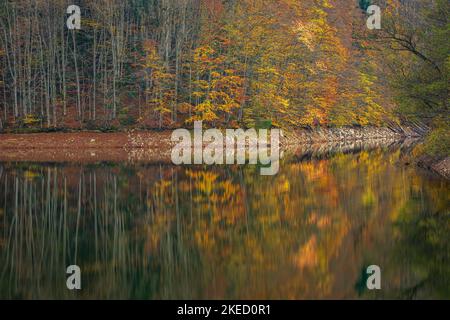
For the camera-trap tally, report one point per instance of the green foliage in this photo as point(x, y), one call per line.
point(421, 75)
point(438, 142)
point(364, 4)
point(263, 124)
point(417, 51)
point(126, 119)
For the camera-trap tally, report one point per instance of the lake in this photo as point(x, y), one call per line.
point(158, 231)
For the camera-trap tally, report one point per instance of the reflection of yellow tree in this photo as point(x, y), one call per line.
point(221, 202)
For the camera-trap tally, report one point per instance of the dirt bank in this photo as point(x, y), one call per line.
point(82, 146)
point(155, 146)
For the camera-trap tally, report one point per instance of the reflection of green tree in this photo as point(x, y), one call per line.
point(424, 242)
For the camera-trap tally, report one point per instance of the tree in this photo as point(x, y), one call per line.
point(160, 90)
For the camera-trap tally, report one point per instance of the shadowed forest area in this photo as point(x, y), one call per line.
point(164, 64)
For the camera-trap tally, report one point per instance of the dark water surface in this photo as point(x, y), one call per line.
point(165, 232)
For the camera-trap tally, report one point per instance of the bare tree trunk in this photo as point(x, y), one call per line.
point(77, 76)
point(94, 94)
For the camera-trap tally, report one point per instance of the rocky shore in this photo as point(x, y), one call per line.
point(440, 166)
point(321, 135)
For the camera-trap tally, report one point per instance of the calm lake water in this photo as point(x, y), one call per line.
point(225, 232)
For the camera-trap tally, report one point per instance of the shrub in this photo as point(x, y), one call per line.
point(438, 142)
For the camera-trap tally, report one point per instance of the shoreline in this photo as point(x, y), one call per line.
point(162, 138)
point(155, 146)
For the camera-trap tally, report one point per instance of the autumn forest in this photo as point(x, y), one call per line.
point(167, 63)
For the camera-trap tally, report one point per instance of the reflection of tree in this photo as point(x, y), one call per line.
point(424, 246)
point(223, 232)
point(415, 258)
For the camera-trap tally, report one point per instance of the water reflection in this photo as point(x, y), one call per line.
point(164, 232)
